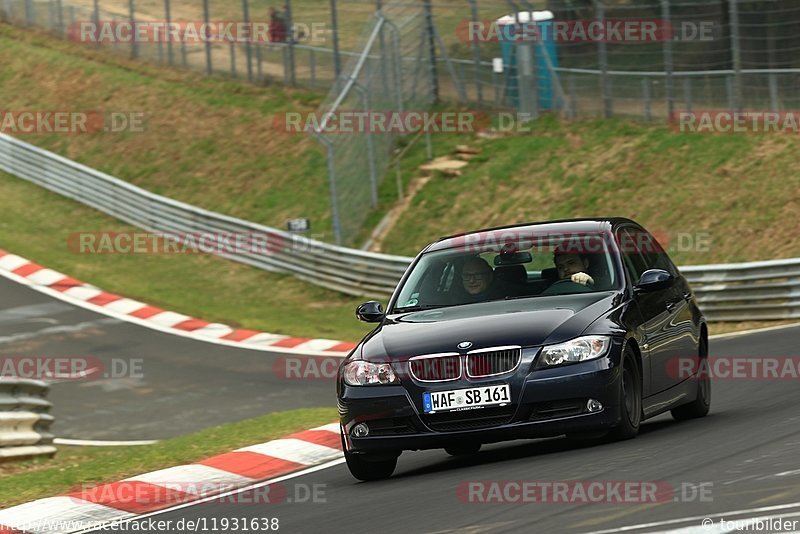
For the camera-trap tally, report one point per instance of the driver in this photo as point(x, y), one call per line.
point(572, 266)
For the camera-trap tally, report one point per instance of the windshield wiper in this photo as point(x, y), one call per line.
point(421, 307)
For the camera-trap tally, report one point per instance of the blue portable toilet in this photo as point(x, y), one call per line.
point(507, 35)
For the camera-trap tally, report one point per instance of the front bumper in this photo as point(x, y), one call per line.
point(550, 402)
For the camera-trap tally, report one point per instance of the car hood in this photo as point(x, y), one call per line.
point(525, 322)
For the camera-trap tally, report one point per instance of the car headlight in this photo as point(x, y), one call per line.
point(363, 373)
point(579, 349)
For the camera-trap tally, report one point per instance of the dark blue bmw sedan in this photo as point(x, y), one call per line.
point(578, 327)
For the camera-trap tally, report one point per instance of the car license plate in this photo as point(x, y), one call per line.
point(465, 399)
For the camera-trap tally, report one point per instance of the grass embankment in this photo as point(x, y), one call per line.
point(76, 467)
point(717, 198)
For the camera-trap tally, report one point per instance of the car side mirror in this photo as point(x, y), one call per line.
point(654, 280)
point(370, 312)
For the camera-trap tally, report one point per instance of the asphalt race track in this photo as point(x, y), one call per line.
point(153, 385)
point(743, 456)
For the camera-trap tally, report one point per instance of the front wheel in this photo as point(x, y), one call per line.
point(369, 467)
point(630, 399)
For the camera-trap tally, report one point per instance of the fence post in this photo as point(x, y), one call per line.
point(669, 82)
point(168, 17)
point(476, 52)
point(233, 59)
point(687, 93)
point(132, 16)
point(290, 50)
point(573, 97)
point(207, 39)
point(247, 44)
point(312, 66)
point(773, 92)
point(96, 16)
point(259, 73)
point(337, 61)
point(736, 54)
point(60, 17)
point(602, 58)
point(429, 29)
point(373, 177)
point(337, 227)
point(648, 112)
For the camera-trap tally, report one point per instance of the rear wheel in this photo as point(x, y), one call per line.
point(463, 449)
point(630, 398)
point(370, 466)
point(700, 406)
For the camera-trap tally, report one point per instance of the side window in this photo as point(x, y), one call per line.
point(654, 254)
point(632, 256)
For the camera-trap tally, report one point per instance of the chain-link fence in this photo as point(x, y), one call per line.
point(378, 83)
point(636, 58)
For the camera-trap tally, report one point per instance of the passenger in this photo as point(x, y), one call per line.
point(478, 280)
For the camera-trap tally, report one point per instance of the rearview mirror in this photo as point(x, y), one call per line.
point(370, 312)
point(654, 280)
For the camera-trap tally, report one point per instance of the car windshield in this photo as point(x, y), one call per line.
point(537, 266)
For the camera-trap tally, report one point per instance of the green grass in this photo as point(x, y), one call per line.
point(207, 141)
point(735, 191)
point(76, 467)
point(36, 224)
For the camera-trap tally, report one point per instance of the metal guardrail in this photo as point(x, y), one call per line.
point(349, 271)
point(726, 292)
point(24, 421)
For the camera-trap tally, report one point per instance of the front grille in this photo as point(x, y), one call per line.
point(435, 367)
point(551, 410)
point(493, 361)
point(470, 419)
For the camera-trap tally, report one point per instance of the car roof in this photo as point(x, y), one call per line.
point(593, 225)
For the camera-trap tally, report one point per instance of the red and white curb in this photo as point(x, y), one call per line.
point(87, 296)
point(173, 486)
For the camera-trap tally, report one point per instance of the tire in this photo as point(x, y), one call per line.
point(463, 450)
point(369, 467)
point(700, 406)
point(630, 399)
